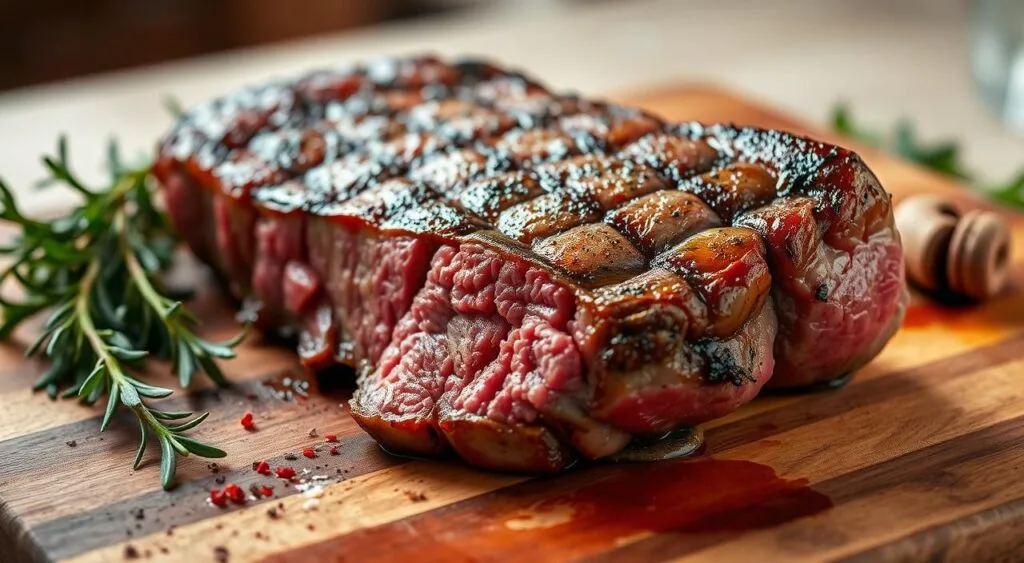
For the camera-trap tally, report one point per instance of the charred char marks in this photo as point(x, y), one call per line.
point(721, 365)
point(564, 273)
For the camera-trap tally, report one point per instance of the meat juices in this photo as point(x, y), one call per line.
point(527, 278)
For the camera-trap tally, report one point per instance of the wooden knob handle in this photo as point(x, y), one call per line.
point(978, 255)
point(946, 250)
point(926, 225)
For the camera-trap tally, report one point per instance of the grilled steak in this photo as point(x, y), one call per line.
point(526, 277)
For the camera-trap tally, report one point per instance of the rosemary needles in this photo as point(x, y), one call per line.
point(95, 271)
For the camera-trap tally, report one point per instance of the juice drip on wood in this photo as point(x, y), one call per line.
point(924, 314)
point(973, 324)
point(597, 510)
point(700, 496)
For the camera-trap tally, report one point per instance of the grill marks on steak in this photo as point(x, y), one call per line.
point(525, 277)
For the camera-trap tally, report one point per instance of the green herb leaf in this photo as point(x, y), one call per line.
point(114, 394)
point(97, 270)
point(166, 415)
point(843, 123)
point(142, 445)
point(201, 449)
point(942, 157)
point(189, 425)
point(1010, 193)
point(168, 462)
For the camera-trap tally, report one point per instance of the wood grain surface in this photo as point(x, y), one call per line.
point(920, 457)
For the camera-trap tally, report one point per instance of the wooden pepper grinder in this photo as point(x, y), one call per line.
point(964, 253)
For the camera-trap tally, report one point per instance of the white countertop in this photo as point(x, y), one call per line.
point(888, 59)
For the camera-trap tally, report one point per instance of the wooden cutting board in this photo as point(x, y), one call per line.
point(920, 457)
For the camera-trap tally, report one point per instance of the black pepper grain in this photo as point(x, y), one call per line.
point(822, 293)
point(416, 496)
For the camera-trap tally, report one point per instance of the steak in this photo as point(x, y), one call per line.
point(524, 277)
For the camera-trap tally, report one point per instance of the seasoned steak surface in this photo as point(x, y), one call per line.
point(526, 277)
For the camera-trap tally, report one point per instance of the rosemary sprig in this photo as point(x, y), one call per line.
point(942, 156)
point(96, 269)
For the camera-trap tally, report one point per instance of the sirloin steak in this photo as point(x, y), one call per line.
point(526, 277)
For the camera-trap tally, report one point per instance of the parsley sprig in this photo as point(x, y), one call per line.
point(942, 156)
point(96, 271)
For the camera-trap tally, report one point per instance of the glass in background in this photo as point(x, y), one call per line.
point(997, 57)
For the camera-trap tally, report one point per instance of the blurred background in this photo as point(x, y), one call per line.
point(47, 40)
point(101, 68)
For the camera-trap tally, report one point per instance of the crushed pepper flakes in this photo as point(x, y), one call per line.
point(218, 498)
point(234, 493)
point(416, 496)
point(247, 421)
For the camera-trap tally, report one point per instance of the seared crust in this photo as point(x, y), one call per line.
point(687, 248)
